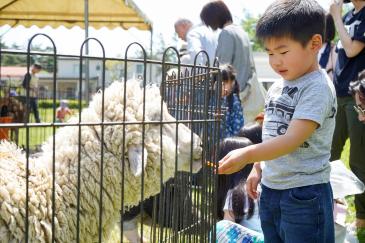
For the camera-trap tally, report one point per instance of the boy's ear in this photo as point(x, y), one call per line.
point(316, 42)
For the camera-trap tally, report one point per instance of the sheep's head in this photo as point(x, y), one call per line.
point(180, 146)
point(188, 143)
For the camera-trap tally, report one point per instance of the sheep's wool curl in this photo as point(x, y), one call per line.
point(13, 171)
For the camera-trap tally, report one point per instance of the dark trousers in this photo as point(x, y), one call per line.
point(348, 126)
point(297, 215)
point(33, 106)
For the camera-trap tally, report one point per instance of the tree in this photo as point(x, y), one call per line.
point(249, 25)
point(21, 59)
point(159, 47)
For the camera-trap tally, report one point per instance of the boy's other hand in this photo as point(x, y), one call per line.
point(234, 161)
point(253, 181)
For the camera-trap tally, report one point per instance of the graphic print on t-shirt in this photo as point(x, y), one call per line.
point(281, 112)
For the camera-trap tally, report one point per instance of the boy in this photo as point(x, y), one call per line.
point(62, 111)
point(296, 198)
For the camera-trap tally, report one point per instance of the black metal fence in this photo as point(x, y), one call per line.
point(185, 208)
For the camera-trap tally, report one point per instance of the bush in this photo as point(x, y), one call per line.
point(48, 103)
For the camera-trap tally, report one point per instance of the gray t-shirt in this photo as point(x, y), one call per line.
point(310, 97)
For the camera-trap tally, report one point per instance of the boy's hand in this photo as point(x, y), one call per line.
point(253, 181)
point(234, 161)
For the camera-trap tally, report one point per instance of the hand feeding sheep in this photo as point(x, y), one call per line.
point(13, 168)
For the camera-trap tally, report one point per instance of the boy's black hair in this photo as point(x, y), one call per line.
point(295, 19)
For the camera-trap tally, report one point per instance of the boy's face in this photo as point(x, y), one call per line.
point(290, 59)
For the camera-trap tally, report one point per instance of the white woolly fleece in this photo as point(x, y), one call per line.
point(12, 169)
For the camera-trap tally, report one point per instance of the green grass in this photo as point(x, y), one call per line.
point(37, 135)
point(351, 213)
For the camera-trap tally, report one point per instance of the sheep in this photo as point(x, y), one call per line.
point(13, 168)
point(248, 135)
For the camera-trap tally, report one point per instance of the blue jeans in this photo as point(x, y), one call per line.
point(301, 214)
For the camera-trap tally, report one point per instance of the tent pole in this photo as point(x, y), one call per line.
point(151, 54)
point(86, 17)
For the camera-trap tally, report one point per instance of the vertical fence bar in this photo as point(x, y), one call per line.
point(28, 138)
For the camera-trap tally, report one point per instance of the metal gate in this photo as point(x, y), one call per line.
point(67, 208)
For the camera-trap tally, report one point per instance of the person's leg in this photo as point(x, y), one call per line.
point(340, 134)
point(35, 110)
point(307, 214)
point(357, 155)
point(269, 212)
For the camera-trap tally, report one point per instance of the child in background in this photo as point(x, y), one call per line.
point(62, 111)
point(296, 202)
point(230, 94)
point(327, 54)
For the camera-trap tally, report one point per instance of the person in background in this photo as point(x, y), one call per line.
point(63, 111)
point(30, 82)
point(292, 162)
point(327, 55)
point(234, 119)
point(357, 89)
point(234, 48)
point(197, 38)
point(236, 211)
point(233, 203)
point(350, 61)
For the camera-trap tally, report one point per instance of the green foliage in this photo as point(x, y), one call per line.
point(48, 103)
point(249, 25)
point(46, 61)
point(351, 212)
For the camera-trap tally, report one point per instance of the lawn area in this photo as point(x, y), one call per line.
point(350, 199)
point(37, 135)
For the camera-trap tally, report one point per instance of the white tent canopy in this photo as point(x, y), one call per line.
point(70, 13)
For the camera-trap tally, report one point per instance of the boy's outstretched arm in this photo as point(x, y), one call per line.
point(298, 132)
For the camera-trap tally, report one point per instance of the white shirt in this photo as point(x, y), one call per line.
point(199, 38)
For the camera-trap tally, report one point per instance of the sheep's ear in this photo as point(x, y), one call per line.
point(136, 163)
